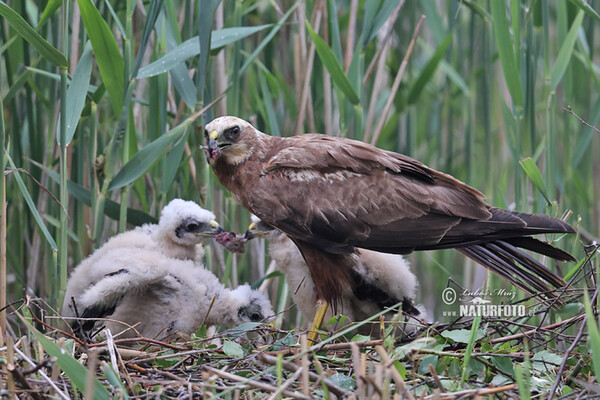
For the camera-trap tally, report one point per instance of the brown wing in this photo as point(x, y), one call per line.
point(338, 193)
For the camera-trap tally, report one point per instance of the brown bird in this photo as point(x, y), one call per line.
point(331, 195)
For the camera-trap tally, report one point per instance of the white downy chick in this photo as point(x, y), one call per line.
point(160, 295)
point(183, 225)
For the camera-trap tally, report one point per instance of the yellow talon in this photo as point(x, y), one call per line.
point(317, 322)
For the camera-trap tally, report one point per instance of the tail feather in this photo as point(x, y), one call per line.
point(537, 246)
point(515, 266)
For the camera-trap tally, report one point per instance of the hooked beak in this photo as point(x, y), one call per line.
point(214, 147)
point(213, 229)
point(256, 230)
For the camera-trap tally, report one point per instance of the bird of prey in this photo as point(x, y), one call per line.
point(331, 195)
point(158, 296)
point(379, 280)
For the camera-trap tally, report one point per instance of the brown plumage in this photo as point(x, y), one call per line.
point(331, 195)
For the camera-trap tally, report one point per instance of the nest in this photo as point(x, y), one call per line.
point(543, 354)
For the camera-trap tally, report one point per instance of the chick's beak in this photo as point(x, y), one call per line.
point(256, 230)
point(213, 229)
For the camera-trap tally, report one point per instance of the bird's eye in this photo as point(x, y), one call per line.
point(191, 227)
point(235, 130)
point(254, 317)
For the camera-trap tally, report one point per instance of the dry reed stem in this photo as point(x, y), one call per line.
point(397, 80)
point(389, 364)
point(329, 347)
point(10, 359)
point(3, 261)
point(286, 384)
point(572, 347)
point(306, 80)
point(327, 98)
point(220, 70)
point(42, 374)
point(351, 35)
point(305, 383)
point(381, 58)
point(250, 382)
point(474, 392)
point(536, 330)
point(311, 376)
point(92, 366)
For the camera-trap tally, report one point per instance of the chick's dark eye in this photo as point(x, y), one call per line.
point(235, 130)
point(192, 227)
point(255, 317)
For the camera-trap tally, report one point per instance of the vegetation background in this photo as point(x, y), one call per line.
point(104, 102)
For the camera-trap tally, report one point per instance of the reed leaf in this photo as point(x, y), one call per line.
point(535, 176)
point(49, 11)
point(506, 52)
point(25, 30)
point(585, 6)
point(77, 93)
point(31, 205)
point(155, 9)
point(109, 59)
point(76, 372)
point(429, 70)
point(565, 53)
point(191, 48)
point(333, 66)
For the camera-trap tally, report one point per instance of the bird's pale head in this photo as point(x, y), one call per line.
point(186, 223)
point(229, 138)
point(251, 305)
point(259, 229)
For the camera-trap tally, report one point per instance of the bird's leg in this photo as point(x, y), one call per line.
point(317, 322)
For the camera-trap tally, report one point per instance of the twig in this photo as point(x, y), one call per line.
point(305, 365)
point(474, 392)
point(570, 111)
point(20, 378)
point(436, 378)
point(290, 366)
point(536, 330)
point(328, 347)
point(397, 81)
point(286, 384)
point(254, 383)
point(167, 356)
point(110, 344)
point(170, 375)
point(388, 363)
point(359, 369)
point(92, 365)
point(42, 374)
point(571, 348)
